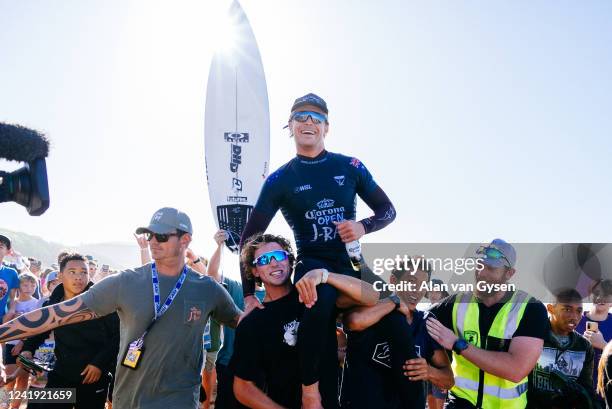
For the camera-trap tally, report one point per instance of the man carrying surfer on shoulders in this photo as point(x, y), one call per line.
point(316, 193)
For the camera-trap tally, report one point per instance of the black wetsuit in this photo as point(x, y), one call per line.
point(312, 194)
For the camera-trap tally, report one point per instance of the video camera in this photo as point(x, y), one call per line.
point(28, 185)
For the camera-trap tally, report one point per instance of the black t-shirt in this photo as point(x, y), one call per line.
point(369, 380)
point(265, 350)
point(534, 323)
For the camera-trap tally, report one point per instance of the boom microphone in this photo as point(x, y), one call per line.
point(27, 186)
point(18, 143)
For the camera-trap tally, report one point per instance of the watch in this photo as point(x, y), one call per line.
point(396, 300)
point(460, 345)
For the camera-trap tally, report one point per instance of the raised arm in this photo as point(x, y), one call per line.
point(360, 318)
point(215, 259)
point(145, 255)
point(384, 212)
point(46, 319)
point(258, 222)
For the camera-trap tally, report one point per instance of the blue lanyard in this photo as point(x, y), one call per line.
point(159, 311)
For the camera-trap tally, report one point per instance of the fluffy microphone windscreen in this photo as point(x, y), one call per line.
point(22, 144)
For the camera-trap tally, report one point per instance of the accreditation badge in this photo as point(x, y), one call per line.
point(133, 355)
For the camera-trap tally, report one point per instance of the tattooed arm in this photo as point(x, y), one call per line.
point(46, 319)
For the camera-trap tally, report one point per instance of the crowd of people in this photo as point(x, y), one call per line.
point(301, 329)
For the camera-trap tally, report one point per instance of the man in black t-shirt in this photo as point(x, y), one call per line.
point(496, 336)
point(265, 362)
point(382, 368)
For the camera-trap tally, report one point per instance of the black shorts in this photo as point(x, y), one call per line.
point(7, 357)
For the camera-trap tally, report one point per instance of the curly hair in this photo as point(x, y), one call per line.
point(247, 255)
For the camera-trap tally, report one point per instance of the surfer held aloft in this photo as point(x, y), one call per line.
point(316, 191)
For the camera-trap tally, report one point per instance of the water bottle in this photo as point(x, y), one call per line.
point(354, 252)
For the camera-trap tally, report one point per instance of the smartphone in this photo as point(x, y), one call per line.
point(31, 366)
point(592, 326)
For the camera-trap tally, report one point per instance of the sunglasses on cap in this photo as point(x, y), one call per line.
point(161, 238)
point(493, 253)
point(266, 258)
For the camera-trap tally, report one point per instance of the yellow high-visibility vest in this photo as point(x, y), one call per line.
point(497, 393)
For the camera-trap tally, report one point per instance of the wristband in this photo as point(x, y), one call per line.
point(324, 276)
point(197, 260)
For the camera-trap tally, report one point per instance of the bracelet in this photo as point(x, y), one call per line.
point(197, 260)
point(324, 276)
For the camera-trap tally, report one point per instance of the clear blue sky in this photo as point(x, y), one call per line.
point(479, 119)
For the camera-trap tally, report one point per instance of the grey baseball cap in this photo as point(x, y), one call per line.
point(503, 247)
point(166, 220)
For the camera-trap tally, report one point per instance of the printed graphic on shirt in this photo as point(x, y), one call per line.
point(3, 288)
point(192, 312)
point(382, 354)
point(567, 362)
point(291, 330)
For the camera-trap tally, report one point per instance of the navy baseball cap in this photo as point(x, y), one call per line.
point(310, 99)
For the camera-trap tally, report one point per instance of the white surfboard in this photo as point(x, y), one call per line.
point(237, 129)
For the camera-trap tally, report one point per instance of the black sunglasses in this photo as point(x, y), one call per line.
point(161, 238)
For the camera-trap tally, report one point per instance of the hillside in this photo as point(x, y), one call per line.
point(117, 255)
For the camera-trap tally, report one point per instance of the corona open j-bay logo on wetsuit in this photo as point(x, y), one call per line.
point(324, 216)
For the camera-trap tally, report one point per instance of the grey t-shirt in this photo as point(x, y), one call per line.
point(168, 375)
